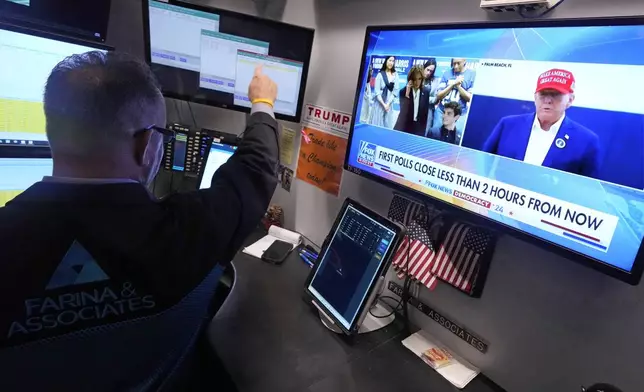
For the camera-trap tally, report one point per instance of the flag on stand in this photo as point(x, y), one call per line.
point(457, 259)
point(405, 211)
point(415, 253)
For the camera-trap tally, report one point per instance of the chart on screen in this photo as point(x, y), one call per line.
point(286, 73)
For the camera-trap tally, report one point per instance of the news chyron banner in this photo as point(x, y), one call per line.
point(578, 183)
point(567, 220)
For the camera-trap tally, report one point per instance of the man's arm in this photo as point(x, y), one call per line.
point(466, 95)
point(444, 88)
point(242, 188)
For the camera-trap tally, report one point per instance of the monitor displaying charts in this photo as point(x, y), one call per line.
point(18, 174)
point(219, 154)
point(26, 60)
point(209, 55)
point(355, 254)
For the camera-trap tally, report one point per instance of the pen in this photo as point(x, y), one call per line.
point(311, 249)
point(309, 254)
point(307, 261)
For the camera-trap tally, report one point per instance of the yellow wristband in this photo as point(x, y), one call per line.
point(261, 100)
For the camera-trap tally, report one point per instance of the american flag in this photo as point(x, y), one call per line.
point(457, 259)
point(404, 210)
point(415, 253)
point(417, 246)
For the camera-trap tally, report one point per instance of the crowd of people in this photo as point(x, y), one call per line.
point(430, 106)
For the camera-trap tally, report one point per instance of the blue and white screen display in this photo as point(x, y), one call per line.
point(210, 55)
point(18, 174)
point(541, 129)
point(25, 64)
point(219, 154)
point(350, 265)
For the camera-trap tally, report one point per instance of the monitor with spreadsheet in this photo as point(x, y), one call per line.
point(30, 56)
point(18, 174)
point(208, 55)
point(218, 155)
point(354, 256)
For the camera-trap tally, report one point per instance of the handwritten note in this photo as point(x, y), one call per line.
point(320, 161)
point(287, 145)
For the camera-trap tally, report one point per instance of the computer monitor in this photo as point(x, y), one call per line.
point(209, 55)
point(179, 154)
point(85, 19)
point(29, 56)
point(18, 174)
point(218, 155)
point(355, 254)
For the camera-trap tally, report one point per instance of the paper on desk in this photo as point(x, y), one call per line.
point(459, 373)
point(274, 233)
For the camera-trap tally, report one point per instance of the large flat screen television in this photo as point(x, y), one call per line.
point(85, 19)
point(537, 126)
point(27, 57)
point(208, 55)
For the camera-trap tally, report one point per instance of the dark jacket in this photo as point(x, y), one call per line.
point(105, 288)
point(405, 122)
point(575, 149)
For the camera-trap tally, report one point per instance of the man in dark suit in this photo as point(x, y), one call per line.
point(549, 138)
point(414, 104)
point(104, 287)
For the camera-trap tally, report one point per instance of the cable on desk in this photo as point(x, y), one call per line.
point(395, 308)
point(405, 297)
point(178, 110)
point(194, 119)
point(311, 242)
point(522, 11)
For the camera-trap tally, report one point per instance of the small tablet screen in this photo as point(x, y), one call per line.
point(351, 262)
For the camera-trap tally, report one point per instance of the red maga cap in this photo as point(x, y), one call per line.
point(557, 79)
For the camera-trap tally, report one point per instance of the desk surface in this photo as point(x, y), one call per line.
point(269, 339)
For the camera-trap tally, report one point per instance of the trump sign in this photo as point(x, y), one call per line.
point(325, 119)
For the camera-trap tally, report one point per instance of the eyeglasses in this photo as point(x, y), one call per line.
point(168, 135)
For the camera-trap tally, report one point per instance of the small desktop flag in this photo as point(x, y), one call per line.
point(455, 261)
point(415, 255)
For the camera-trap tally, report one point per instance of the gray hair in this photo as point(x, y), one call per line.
point(95, 97)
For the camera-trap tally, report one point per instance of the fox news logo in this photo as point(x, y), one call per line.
point(367, 153)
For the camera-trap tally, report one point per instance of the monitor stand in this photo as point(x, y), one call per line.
point(370, 323)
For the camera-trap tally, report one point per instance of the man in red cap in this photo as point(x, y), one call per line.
point(548, 137)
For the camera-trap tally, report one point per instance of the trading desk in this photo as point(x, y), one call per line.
point(269, 339)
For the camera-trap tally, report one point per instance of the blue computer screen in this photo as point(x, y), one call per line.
point(18, 174)
point(350, 263)
point(219, 154)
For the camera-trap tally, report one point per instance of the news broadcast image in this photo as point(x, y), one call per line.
point(541, 129)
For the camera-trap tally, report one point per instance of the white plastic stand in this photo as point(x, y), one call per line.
point(369, 324)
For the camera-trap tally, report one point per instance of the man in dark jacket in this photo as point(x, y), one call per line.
point(102, 286)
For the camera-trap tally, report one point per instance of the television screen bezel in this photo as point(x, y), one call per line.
point(222, 12)
point(19, 14)
point(634, 276)
point(44, 33)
